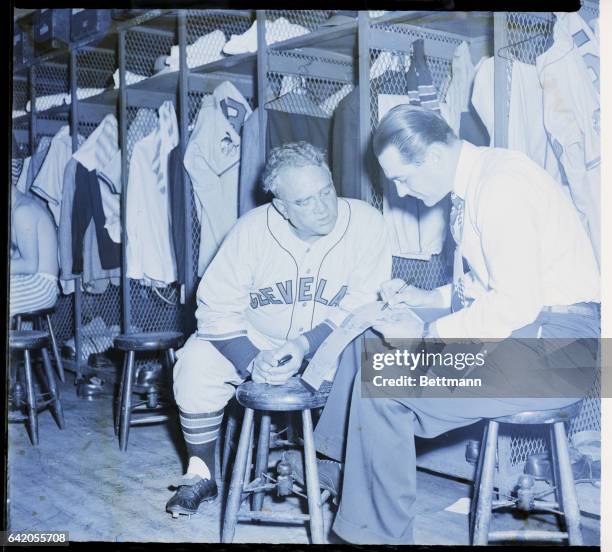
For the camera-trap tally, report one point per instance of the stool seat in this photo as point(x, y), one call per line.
point(287, 397)
point(41, 312)
point(148, 341)
point(28, 339)
point(551, 416)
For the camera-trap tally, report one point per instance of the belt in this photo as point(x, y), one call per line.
point(585, 309)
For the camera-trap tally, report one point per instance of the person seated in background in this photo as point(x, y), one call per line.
point(34, 264)
point(286, 274)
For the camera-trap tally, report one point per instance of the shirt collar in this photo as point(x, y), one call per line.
point(467, 160)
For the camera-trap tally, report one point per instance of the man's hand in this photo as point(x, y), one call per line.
point(411, 296)
point(266, 369)
point(400, 324)
point(263, 364)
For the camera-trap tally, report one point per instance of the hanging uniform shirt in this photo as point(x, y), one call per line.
point(31, 165)
point(150, 257)
point(267, 284)
point(49, 181)
point(526, 130)
point(416, 230)
point(212, 161)
point(569, 75)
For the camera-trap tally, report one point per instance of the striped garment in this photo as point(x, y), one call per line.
point(202, 428)
point(421, 90)
point(16, 166)
point(31, 292)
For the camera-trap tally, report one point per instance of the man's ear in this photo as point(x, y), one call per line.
point(435, 153)
point(280, 207)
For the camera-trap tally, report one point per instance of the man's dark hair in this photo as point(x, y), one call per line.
point(411, 129)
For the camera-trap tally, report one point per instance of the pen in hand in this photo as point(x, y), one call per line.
point(386, 305)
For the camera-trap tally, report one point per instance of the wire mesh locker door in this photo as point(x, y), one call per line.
point(154, 305)
point(100, 299)
point(48, 102)
point(388, 68)
point(303, 84)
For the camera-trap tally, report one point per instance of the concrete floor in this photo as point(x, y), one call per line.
point(78, 480)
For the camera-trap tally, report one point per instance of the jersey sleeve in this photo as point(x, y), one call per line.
point(223, 293)
point(371, 264)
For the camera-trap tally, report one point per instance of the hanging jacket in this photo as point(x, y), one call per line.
point(569, 76)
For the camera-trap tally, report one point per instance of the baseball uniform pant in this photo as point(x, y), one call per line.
point(205, 381)
point(380, 459)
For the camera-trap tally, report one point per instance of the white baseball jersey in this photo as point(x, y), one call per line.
point(271, 286)
point(569, 75)
point(212, 160)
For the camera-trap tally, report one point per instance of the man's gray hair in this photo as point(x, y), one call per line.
point(411, 129)
point(295, 154)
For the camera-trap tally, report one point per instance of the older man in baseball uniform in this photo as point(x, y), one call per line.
point(285, 276)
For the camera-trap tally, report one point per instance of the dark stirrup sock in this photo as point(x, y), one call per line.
point(201, 431)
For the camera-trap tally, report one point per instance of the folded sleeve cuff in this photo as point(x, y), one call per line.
point(240, 351)
point(316, 336)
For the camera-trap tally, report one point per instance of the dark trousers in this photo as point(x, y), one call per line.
point(87, 205)
point(379, 449)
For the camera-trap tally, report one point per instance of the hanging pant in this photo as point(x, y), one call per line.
point(87, 205)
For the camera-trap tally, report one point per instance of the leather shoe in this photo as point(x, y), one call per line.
point(191, 492)
point(330, 472)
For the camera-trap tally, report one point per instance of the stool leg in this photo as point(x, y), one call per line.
point(477, 477)
point(125, 410)
point(170, 359)
point(119, 398)
point(568, 488)
point(261, 462)
point(18, 322)
point(56, 353)
point(482, 518)
point(31, 398)
point(312, 481)
point(56, 406)
point(230, 431)
point(234, 497)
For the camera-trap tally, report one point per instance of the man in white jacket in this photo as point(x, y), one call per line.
point(532, 274)
point(286, 275)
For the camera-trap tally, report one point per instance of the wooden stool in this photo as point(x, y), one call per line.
point(565, 491)
point(33, 340)
point(131, 344)
point(37, 324)
point(292, 396)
